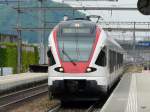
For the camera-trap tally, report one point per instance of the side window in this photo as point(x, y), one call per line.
point(118, 60)
point(112, 60)
point(51, 58)
point(111, 64)
point(121, 59)
point(101, 59)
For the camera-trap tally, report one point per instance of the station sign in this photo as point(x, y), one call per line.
point(93, 0)
point(144, 43)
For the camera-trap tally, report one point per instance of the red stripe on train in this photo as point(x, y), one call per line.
point(56, 45)
point(98, 31)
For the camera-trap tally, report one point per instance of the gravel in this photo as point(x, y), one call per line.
point(41, 104)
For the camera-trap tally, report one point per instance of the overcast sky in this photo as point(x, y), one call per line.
point(115, 15)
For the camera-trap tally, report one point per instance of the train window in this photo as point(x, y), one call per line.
point(121, 59)
point(51, 58)
point(118, 60)
point(101, 60)
point(112, 60)
point(115, 58)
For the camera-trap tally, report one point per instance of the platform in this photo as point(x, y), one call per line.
point(131, 95)
point(10, 81)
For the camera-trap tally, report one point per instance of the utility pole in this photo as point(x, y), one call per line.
point(1, 71)
point(19, 43)
point(41, 33)
point(44, 33)
point(134, 42)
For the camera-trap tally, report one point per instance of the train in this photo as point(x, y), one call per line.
point(84, 62)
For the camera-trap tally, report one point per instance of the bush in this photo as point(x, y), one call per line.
point(8, 57)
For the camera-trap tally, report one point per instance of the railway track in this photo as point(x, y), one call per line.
point(92, 108)
point(55, 109)
point(9, 100)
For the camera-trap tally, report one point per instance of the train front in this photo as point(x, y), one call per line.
point(73, 73)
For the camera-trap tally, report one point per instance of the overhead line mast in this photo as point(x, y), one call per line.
point(19, 43)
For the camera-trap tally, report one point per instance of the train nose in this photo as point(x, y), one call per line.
point(79, 67)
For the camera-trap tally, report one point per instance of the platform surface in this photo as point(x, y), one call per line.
point(131, 95)
point(13, 80)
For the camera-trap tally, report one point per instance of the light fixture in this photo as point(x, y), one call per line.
point(61, 69)
point(88, 69)
point(77, 25)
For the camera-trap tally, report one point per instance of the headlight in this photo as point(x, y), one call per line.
point(88, 69)
point(61, 69)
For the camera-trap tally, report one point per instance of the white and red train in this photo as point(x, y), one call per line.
point(83, 61)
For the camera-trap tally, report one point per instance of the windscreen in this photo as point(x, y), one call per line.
point(76, 42)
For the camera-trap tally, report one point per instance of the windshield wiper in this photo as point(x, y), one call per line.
point(69, 58)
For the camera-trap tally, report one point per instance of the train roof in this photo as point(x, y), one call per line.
point(87, 22)
point(116, 45)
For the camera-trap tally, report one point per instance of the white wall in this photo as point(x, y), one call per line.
point(6, 71)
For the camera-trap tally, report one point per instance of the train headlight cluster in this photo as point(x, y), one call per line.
point(90, 69)
point(61, 69)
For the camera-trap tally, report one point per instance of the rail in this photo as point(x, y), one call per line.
point(16, 97)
